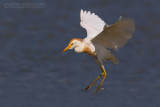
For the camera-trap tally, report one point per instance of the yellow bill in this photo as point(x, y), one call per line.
point(66, 48)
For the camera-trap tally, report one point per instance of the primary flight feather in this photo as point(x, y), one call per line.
point(92, 23)
point(101, 36)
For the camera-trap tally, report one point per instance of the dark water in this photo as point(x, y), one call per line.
point(34, 72)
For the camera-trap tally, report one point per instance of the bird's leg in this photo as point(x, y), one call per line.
point(104, 74)
point(92, 83)
point(89, 86)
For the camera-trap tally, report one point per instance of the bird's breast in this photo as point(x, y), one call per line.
point(88, 51)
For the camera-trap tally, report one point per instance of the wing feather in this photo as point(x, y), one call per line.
point(92, 23)
point(116, 35)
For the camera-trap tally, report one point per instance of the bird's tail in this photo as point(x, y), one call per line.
point(105, 54)
point(112, 57)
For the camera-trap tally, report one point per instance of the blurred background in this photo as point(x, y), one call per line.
point(35, 73)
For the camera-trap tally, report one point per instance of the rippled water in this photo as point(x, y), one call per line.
point(34, 72)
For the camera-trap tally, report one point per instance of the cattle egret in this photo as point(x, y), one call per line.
point(101, 38)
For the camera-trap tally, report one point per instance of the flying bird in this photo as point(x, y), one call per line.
point(101, 38)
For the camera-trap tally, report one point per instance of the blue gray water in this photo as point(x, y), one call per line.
point(34, 72)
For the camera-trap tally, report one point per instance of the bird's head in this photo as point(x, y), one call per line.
point(72, 44)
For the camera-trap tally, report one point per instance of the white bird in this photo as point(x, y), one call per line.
point(100, 38)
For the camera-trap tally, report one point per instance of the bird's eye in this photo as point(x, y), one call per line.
point(71, 43)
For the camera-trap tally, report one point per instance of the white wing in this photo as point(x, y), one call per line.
point(92, 23)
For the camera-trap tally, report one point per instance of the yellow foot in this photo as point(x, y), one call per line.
point(96, 91)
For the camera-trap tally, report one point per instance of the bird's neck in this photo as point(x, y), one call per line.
point(79, 47)
point(82, 47)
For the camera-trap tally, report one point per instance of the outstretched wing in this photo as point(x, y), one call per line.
point(92, 23)
point(116, 35)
